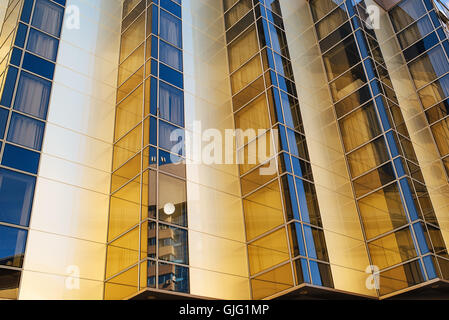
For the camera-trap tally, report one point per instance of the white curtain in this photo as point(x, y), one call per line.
point(171, 29)
point(171, 56)
point(171, 104)
point(42, 45)
point(26, 132)
point(32, 95)
point(48, 17)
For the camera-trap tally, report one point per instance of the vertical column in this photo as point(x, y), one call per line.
point(29, 46)
point(148, 212)
point(280, 205)
point(424, 49)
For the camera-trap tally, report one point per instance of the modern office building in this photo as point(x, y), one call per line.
point(224, 149)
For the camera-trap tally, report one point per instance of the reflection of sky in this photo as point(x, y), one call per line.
point(12, 241)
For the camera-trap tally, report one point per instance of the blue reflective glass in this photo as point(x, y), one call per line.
point(171, 7)
point(171, 138)
point(21, 159)
point(430, 267)
point(48, 17)
point(153, 131)
point(16, 56)
point(21, 35)
point(171, 29)
point(42, 44)
point(3, 119)
point(382, 113)
point(298, 241)
point(171, 104)
point(170, 55)
point(26, 131)
point(408, 198)
point(8, 87)
point(26, 11)
point(153, 96)
point(12, 246)
point(310, 244)
point(420, 236)
point(421, 46)
point(33, 95)
point(16, 197)
point(171, 76)
point(38, 65)
point(173, 278)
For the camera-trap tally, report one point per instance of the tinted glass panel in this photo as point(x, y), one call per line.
point(48, 17)
point(12, 246)
point(16, 197)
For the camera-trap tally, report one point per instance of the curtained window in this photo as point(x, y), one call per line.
point(26, 132)
point(171, 104)
point(33, 94)
point(48, 17)
point(171, 29)
point(170, 55)
point(171, 138)
point(42, 44)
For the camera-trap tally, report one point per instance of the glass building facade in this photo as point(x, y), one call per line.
point(338, 184)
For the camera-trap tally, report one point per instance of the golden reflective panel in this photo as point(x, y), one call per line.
point(246, 74)
point(268, 251)
point(258, 177)
point(382, 211)
point(392, 249)
point(122, 253)
point(123, 285)
point(126, 172)
point(263, 210)
point(272, 282)
point(256, 152)
point(242, 49)
point(400, 277)
point(129, 112)
point(368, 157)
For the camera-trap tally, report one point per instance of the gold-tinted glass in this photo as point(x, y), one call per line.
point(131, 65)
point(126, 172)
point(392, 249)
point(374, 179)
point(400, 278)
point(246, 74)
point(441, 134)
point(123, 285)
point(359, 127)
point(382, 211)
point(129, 112)
point(263, 210)
point(368, 157)
point(124, 211)
point(256, 152)
point(258, 177)
point(122, 253)
point(242, 49)
point(127, 147)
point(132, 37)
point(268, 251)
point(253, 117)
point(272, 282)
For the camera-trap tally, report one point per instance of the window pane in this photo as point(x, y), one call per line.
point(392, 249)
point(368, 157)
point(42, 44)
point(16, 197)
point(26, 131)
point(173, 244)
point(341, 58)
point(48, 17)
point(359, 127)
point(171, 29)
point(382, 211)
point(406, 12)
point(374, 179)
point(170, 55)
point(263, 210)
point(12, 246)
point(400, 277)
point(171, 104)
point(3, 119)
point(33, 94)
point(243, 48)
point(171, 138)
point(9, 283)
point(429, 67)
point(173, 278)
point(441, 134)
point(172, 200)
